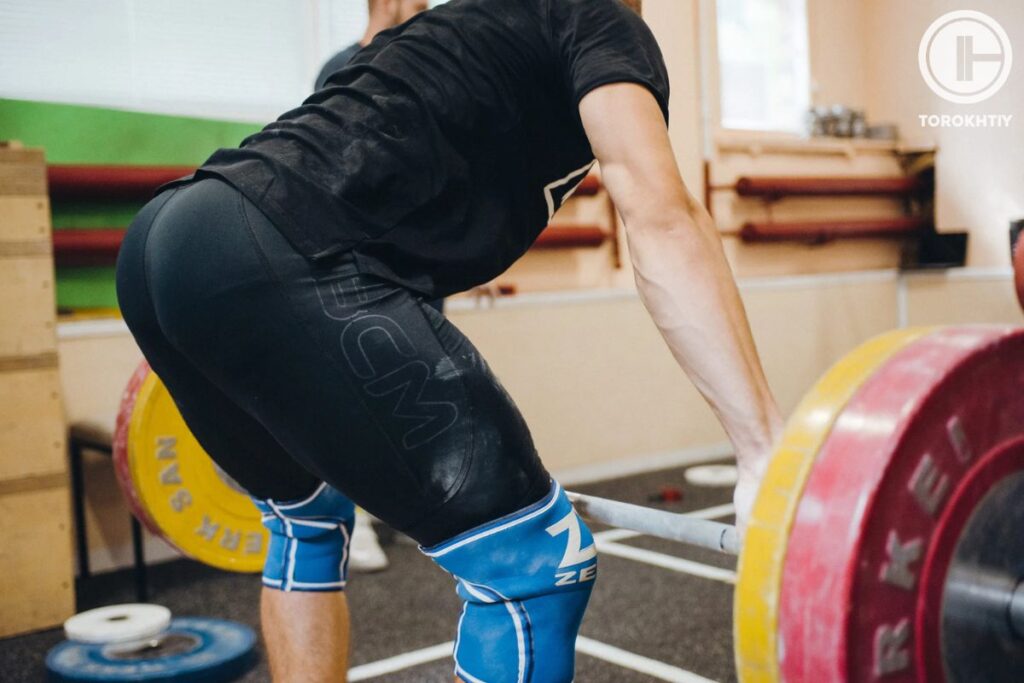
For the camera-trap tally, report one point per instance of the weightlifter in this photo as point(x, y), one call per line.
point(280, 295)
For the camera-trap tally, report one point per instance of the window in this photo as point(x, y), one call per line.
point(763, 65)
point(246, 60)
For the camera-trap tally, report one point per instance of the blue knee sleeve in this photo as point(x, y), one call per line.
point(309, 539)
point(525, 580)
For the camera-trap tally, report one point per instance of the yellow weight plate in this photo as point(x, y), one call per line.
point(196, 507)
point(759, 580)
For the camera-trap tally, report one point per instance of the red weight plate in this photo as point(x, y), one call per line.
point(122, 469)
point(881, 482)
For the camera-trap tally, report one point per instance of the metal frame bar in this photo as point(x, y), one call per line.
point(76, 451)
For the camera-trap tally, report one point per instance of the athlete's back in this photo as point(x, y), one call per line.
point(440, 153)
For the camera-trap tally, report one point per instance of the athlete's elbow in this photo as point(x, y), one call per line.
point(661, 222)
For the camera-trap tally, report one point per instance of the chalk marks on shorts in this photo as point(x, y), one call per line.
point(384, 359)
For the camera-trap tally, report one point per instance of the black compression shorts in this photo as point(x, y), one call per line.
point(290, 372)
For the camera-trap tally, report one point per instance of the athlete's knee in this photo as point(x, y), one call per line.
point(309, 541)
point(525, 580)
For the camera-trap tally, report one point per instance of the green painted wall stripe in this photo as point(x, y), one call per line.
point(86, 288)
point(98, 215)
point(73, 134)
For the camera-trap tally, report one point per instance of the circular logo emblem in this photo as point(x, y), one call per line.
point(965, 57)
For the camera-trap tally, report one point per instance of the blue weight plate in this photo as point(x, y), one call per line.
point(192, 650)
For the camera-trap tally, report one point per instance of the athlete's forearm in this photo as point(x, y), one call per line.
point(681, 270)
point(687, 286)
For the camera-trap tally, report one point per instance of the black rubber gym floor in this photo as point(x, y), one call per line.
point(663, 615)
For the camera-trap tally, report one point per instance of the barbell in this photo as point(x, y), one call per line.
point(886, 541)
point(671, 526)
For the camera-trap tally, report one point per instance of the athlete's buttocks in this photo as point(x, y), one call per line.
point(442, 151)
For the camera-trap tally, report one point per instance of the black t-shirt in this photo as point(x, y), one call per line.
point(439, 154)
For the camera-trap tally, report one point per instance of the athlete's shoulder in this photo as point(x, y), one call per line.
point(585, 20)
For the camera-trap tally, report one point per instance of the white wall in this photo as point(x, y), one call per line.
point(980, 172)
point(676, 25)
point(837, 47)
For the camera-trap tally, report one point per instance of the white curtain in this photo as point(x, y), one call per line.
point(245, 60)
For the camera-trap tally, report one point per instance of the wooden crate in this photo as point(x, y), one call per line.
point(22, 171)
point(32, 435)
point(36, 588)
point(37, 584)
point(26, 221)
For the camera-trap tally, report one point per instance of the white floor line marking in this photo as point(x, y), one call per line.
point(676, 564)
point(615, 535)
point(405, 660)
point(714, 512)
point(629, 660)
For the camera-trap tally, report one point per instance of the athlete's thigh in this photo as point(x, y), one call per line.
point(504, 473)
point(397, 408)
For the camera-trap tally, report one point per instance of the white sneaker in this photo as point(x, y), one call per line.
point(364, 552)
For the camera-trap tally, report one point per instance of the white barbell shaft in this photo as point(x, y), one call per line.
point(669, 525)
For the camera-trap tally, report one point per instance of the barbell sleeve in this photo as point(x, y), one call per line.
point(673, 526)
point(1017, 611)
point(980, 598)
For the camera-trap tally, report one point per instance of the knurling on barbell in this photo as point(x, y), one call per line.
point(671, 526)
